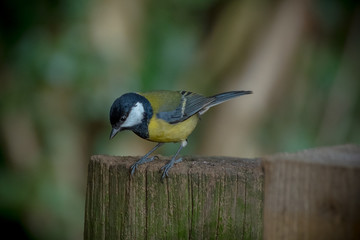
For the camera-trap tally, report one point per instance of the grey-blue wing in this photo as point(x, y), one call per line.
point(193, 103)
point(190, 104)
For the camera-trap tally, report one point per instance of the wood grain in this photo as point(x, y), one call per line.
point(204, 198)
point(313, 194)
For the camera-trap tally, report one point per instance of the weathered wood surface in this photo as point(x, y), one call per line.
point(204, 198)
point(313, 194)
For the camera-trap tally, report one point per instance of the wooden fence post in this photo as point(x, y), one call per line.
point(313, 194)
point(204, 198)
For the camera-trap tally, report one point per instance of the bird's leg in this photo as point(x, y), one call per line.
point(169, 165)
point(145, 158)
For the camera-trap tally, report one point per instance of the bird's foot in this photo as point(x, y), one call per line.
point(141, 161)
point(167, 167)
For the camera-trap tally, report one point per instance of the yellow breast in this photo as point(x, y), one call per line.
point(161, 131)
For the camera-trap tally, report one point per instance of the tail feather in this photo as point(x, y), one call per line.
point(223, 97)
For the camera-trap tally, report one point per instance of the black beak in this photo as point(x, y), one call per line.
point(114, 131)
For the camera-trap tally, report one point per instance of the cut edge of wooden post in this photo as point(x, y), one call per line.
point(340, 155)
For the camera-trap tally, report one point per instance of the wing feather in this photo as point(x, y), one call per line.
point(174, 107)
point(190, 104)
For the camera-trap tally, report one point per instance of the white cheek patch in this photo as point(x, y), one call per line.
point(135, 117)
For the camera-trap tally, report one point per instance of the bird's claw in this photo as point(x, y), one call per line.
point(178, 160)
point(133, 168)
point(167, 167)
point(141, 161)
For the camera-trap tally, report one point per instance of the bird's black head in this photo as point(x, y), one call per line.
point(129, 111)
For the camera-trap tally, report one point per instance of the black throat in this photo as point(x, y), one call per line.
point(142, 129)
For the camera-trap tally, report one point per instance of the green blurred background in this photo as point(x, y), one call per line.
point(62, 64)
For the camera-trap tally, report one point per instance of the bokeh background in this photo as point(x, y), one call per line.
point(62, 64)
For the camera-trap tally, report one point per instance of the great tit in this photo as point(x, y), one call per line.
point(162, 117)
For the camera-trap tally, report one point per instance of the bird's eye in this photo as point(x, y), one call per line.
point(123, 118)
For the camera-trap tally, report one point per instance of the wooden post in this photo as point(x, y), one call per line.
point(314, 194)
point(204, 198)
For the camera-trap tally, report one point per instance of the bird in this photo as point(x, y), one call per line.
point(163, 117)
